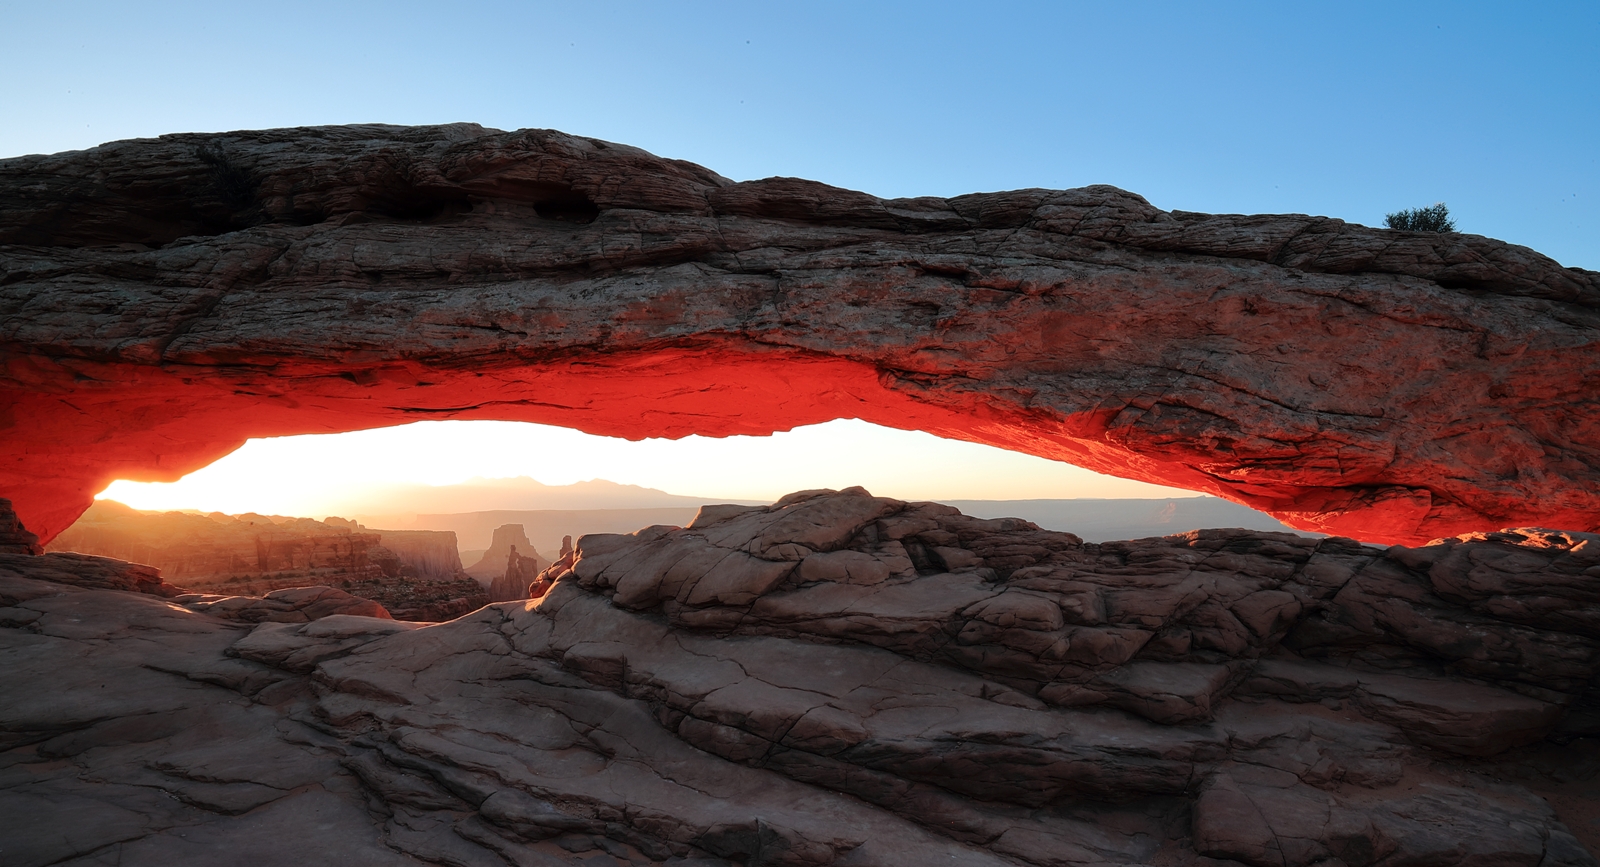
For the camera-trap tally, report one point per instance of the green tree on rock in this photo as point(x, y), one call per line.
point(1431, 219)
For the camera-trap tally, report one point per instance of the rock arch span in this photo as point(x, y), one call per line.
point(162, 300)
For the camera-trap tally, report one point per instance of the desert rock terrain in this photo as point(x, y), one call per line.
point(834, 679)
point(414, 574)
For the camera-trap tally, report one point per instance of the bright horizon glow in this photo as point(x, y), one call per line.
point(329, 474)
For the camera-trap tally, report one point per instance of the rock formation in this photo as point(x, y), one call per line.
point(15, 538)
point(198, 549)
point(209, 548)
point(520, 572)
point(838, 679)
point(491, 567)
point(431, 555)
point(164, 299)
point(544, 528)
point(415, 574)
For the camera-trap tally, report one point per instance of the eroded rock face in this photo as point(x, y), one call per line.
point(842, 679)
point(15, 538)
point(164, 299)
point(194, 549)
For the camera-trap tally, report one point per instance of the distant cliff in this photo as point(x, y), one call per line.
point(428, 554)
point(191, 548)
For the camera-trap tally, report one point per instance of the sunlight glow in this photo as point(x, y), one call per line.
point(332, 474)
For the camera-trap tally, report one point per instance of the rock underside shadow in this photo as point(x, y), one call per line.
point(834, 679)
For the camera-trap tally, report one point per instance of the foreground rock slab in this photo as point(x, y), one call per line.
point(837, 679)
point(163, 300)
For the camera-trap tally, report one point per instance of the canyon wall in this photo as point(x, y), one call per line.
point(162, 300)
point(428, 554)
point(191, 548)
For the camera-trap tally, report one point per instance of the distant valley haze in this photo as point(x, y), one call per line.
point(472, 477)
point(474, 508)
point(462, 466)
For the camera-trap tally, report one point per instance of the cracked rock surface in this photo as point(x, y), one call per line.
point(835, 679)
point(163, 300)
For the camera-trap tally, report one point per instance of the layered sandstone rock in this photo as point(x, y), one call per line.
point(841, 679)
point(164, 299)
point(431, 555)
point(197, 549)
point(413, 574)
point(289, 605)
point(209, 548)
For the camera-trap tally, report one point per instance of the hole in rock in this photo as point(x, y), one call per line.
point(437, 498)
point(550, 200)
point(419, 204)
point(569, 207)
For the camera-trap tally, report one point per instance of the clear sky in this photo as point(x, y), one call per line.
point(1349, 110)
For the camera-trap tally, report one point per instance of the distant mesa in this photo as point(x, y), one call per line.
point(397, 502)
point(414, 574)
point(169, 298)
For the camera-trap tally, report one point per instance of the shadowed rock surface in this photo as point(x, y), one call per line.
point(837, 679)
point(162, 300)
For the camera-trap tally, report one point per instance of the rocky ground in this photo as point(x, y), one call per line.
point(834, 679)
point(404, 597)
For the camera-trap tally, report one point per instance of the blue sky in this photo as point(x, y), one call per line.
point(1349, 110)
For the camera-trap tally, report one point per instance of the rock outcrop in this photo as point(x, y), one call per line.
point(91, 573)
point(413, 574)
point(521, 571)
point(15, 538)
point(431, 555)
point(164, 299)
point(209, 548)
point(492, 565)
point(289, 605)
point(199, 549)
point(840, 679)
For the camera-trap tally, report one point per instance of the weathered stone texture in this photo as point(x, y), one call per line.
point(162, 300)
point(839, 679)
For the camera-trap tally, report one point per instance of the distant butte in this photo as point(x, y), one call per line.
point(162, 300)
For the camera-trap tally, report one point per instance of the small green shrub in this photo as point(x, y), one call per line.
point(1430, 219)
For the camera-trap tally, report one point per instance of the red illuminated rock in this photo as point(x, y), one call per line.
point(164, 299)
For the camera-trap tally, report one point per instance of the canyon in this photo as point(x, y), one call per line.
point(165, 299)
point(834, 679)
point(416, 574)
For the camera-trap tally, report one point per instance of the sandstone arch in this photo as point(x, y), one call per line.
point(164, 299)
